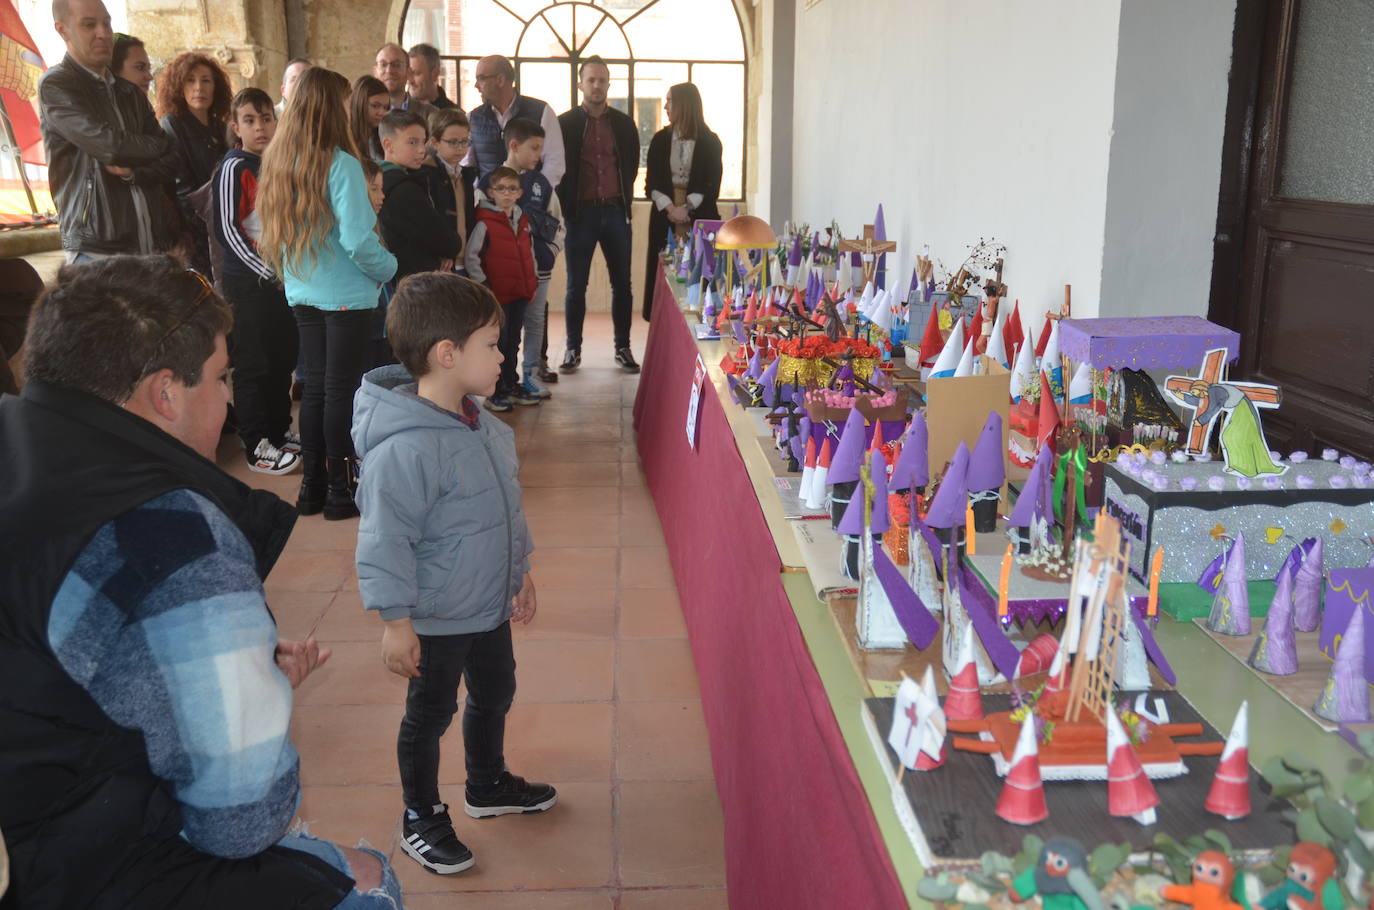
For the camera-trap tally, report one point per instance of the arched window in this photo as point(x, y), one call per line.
point(648, 44)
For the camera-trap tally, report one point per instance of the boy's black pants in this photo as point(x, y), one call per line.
point(511, 330)
point(485, 662)
point(263, 346)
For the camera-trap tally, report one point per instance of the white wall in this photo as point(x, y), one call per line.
point(977, 119)
point(1170, 114)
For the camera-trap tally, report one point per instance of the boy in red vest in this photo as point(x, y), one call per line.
point(500, 254)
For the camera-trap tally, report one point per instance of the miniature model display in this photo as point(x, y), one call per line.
point(1006, 575)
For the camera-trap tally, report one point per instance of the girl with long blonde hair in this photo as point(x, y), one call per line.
point(318, 233)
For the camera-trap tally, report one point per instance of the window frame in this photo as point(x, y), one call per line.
point(574, 59)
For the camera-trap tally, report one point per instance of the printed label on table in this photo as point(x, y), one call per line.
point(694, 403)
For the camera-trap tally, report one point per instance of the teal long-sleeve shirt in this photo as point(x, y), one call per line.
point(347, 271)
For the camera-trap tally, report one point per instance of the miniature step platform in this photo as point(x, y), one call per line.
point(950, 813)
point(1078, 751)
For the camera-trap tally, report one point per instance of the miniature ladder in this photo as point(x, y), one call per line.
point(1107, 557)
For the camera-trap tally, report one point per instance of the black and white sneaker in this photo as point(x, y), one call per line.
point(292, 442)
point(508, 796)
point(430, 841)
point(626, 359)
point(572, 359)
point(268, 459)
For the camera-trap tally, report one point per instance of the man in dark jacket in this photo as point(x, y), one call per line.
point(602, 146)
point(145, 698)
point(107, 157)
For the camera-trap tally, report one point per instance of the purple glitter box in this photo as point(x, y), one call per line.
point(1347, 590)
point(1195, 522)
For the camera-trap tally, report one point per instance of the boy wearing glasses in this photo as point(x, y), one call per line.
point(500, 254)
point(450, 183)
point(524, 148)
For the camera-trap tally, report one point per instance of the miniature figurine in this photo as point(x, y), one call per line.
point(1309, 582)
point(1229, 795)
point(1345, 697)
point(1310, 884)
point(1212, 397)
point(1230, 613)
point(1060, 877)
point(1022, 801)
point(1213, 876)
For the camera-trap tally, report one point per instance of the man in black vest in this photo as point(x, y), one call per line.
point(500, 105)
point(603, 157)
point(145, 699)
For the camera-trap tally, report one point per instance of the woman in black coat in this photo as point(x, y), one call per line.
point(193, 96)
point(682, 176)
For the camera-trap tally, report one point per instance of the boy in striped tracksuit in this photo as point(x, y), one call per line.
point(264, 342)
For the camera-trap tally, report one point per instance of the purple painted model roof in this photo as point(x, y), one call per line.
point(1144, 342)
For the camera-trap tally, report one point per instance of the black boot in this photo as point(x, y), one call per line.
point(314, 484)
point(338, 501)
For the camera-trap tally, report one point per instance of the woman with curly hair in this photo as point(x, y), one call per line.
point(319, 233)
point(193, 103)
point(368, 104)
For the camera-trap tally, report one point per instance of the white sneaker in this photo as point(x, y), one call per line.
point(293, 442)
point(268, 459)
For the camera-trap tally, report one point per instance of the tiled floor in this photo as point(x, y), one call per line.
point(608, 707)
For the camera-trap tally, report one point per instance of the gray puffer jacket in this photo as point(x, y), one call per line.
point(443, 539)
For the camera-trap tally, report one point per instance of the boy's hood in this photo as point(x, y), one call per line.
point(387, 404)
point(393, 175)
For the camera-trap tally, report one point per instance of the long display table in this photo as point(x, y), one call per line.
point(808, 803)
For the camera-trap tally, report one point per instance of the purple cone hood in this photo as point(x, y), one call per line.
point(987, 468)
point(912, 469)
point(951, 500)
point(879, 521)
point(848, 455)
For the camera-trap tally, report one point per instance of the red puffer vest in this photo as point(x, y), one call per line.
point(507, 257)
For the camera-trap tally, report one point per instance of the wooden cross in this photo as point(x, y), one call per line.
point(869, 248)
point(1213, 373)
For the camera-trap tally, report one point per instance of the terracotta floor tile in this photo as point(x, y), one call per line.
point(567, 530)
point(342, 745)
point(569, 742)
point(651, 613)
point(574, 501)
point(674, 899)
point(580, 413)
point(313, 533)
point(687, 852)
point(629, 453)
point(302, 570)
point(541, 473)
point(632, 475)
point(646, 567)
point(346, 620)
point(656, 668)
point(636, 497)
point(662, 740)
point(571, 614)
point(519, 900)
point(560, 671)
point(345, 814)
point(575, 567)
point(296, 612)
point(353, 675)
point(640, 527)
point(567, 847)
point(550, 450)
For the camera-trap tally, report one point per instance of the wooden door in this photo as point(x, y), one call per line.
point(1294, 270)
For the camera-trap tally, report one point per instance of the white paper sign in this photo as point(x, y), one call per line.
point(694, 403)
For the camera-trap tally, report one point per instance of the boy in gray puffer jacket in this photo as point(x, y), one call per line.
point(443, 552)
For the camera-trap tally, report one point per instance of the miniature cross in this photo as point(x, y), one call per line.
point(914, 717)
point(868, 248)
point(1213, 373)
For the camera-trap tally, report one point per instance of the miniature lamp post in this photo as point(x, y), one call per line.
point(741, 234)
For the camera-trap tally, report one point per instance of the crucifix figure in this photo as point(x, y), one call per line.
point(868, 249)
point(1211, 396)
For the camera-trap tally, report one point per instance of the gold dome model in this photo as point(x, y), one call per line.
point(745, 232)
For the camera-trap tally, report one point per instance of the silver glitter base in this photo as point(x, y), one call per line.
point(1273, 522)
